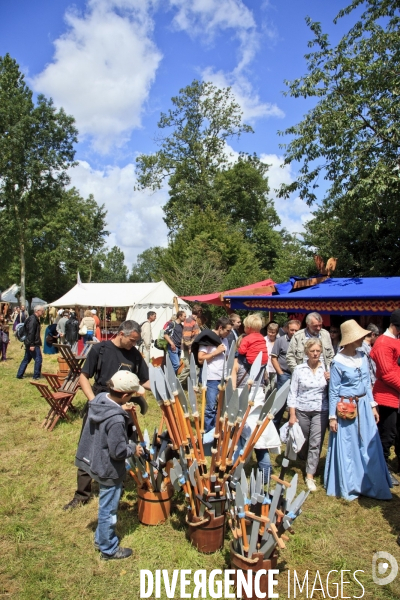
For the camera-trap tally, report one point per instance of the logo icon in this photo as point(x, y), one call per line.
point(384, 568)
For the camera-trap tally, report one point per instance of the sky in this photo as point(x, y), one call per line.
point(115, 64)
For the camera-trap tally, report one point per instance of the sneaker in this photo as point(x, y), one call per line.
point(96, 546)
point(75, 502)
point(394, 480)
point(120, 553)
point(310, 483)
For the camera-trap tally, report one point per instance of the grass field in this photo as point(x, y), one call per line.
point(47, 553)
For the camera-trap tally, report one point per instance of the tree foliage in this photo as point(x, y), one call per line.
point(111, 267)
point(352, 138)
point(36, 149)
point(59, 242)
point(222, 223)
point(203, 119)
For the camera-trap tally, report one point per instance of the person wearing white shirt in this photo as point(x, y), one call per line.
point(308, 405)
point(215, 358)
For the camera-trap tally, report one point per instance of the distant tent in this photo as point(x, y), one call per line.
point(265, 287)
point(36, 301)
point(10, 294)
point(139, 297)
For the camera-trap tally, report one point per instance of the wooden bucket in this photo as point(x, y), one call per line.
point(207, 533)
point(154, 507)
point(254, 564)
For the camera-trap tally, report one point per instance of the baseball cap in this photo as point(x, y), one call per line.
point(395, 318)
point(126, 382)
point(93, 311)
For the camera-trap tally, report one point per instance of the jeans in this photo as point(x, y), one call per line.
point(280, 380)
point(262, 456)
point(210, 412)
point(105, 535)
point(88, 337)
point(29, 355)
point(175, 357)
point(4, 351)
point(263, 462)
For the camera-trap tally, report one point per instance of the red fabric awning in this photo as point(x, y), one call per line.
point(257, 289)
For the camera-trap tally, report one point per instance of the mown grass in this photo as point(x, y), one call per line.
point(47, 553)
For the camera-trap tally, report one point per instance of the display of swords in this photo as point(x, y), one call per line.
point(259, 518)
point(149, 469)
point(205, 488)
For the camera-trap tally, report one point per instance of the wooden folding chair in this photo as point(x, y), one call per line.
point(57, 386)
point(59, 402)
point(53, 380)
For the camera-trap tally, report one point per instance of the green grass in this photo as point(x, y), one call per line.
point(48, 554)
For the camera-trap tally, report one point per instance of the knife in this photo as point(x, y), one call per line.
point(230, 361)
point(193, 373)
point(255, 369)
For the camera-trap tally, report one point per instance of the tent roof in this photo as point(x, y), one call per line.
point(9, 295)
point(117, 294)
point(356, 295)
point(217, 297)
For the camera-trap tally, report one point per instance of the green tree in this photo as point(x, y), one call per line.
point(203, 119)
point(352, 138)
point(209, 254)
point(112, 267)
point(59, 243)
point(36, 149)
point(147, 266)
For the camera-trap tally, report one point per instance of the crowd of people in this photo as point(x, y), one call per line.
point(345, 381)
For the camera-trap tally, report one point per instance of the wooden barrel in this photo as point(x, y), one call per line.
point(207, 533)
point(63, 368)
point(254, 564)
point(154, 507)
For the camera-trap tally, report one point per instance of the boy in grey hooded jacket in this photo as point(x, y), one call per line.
point(102, 451)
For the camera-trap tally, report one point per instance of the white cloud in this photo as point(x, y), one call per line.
point(206, 17)
point(294, 212)
point(103, 68)
point(134, 218)
point(249, 101)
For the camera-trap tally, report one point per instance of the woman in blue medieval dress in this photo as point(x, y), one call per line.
point(355, 464)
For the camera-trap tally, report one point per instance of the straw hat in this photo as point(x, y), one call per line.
point(352, 332)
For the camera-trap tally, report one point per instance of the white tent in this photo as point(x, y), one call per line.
point(36, 301)
point(139, 297)
point(9, 295)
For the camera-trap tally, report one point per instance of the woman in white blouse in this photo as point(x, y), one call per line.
point(308, 405)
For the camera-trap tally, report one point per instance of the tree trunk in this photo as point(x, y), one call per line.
point(22, 298)
point(90, 268)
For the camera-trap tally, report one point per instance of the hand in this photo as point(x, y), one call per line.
point(376, 414)
point(327, 375)
point(220, 349)
point(292, 420)
point(333, 425)
point(173, 347)
point(31, 348)
point(139, 450)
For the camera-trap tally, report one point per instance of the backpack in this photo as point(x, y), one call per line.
point(20, 331)
point(161, 343)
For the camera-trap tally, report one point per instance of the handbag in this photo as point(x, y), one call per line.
point(83, 330)
point(347, 410)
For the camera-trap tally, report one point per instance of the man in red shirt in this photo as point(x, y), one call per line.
point(386, 354)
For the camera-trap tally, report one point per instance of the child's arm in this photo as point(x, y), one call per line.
point(118, 445)
point(244, 345)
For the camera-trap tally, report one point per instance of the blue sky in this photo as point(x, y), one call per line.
point(114, 65)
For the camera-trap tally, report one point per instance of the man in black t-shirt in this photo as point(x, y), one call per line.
point(103, 361)
point(173, 335)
